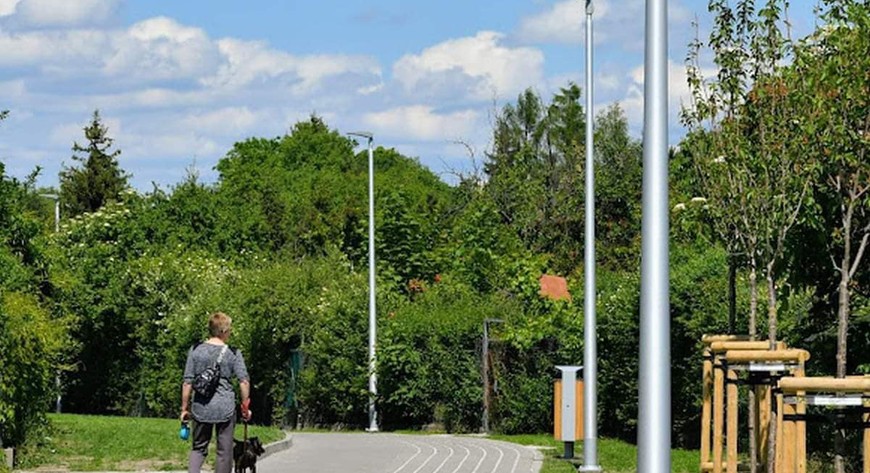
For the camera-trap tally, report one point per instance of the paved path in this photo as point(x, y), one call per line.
point(393, 453)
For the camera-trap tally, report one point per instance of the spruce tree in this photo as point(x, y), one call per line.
point(99, 179)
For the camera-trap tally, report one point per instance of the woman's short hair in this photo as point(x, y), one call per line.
point(219, 324)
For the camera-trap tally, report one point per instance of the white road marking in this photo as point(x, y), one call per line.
point(481, 458)
point(434, 452)
point(467, 453)
point(445, 460)
point(500, 456)
point(517, 459)
point(419, 450)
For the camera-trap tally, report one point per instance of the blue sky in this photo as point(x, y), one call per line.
point(179, 81)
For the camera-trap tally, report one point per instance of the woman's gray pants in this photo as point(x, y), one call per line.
point(201, 438)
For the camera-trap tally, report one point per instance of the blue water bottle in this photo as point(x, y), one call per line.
point(184, 432)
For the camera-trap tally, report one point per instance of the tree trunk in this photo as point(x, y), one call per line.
point(753, 300)
point(771, 306)
point(771, 332)
point(732, 295)
point(753, 309)
point(843, 330)
point(753, 444)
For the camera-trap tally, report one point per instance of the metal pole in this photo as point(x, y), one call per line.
point(654, 415)
point(590, 351)
point(56, 199)
point(485, 364)
point(57, 215)
point(58, 404)
point(373, 376)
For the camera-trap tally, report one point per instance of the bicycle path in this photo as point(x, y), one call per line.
point(397, 453)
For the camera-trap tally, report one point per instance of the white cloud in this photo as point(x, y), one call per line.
point(159, 49)
point(488, 68)
point(181, 145)
point(42, 13)
point(563, 22)
point(249, 62)
point(231, 121)
point(679, 94)
point(616, 21)
point(162, 49)
point(8, 7)
point(44, 49)
point(422, 123)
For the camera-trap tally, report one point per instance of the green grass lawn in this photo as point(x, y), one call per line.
point(615, 456)
point(100, 443)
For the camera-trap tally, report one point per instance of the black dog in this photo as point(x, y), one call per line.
point(245, 454)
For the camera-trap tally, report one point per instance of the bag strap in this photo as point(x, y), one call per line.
point(221, 356)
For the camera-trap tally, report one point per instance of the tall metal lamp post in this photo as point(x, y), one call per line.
point(654, 413)
point(56, 199)
point(373, 377)
point(590, 350)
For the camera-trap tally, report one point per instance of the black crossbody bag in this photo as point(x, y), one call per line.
point(205, 384)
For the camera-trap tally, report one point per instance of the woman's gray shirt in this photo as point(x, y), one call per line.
point(222, 406)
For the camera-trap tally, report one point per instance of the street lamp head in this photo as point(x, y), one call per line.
point(50, 196)
point(362, 134)
point(589, 7)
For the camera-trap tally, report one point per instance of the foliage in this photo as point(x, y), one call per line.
point(30, 340)
point(429, 360)
point(828, 65)
point(100, 179)
point(280, 242)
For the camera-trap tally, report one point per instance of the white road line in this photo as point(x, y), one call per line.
point(434, 452)
point(467, 453)
point(481, 458)
point(445, 460)
point(500, 456)
point(516, 460)
point(419, 450)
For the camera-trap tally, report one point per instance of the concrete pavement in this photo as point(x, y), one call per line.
point(395, 453)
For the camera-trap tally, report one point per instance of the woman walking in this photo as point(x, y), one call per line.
point(213, 408)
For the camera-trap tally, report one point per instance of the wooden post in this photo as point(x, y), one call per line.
point(557, 409)
point(816, 384)
point(578, 412)
point(708, 339)
point(748, 356)
point(763, 399)
point(706, 414)
point(789, 439)
point(866, 419)
point(721, 346)
point(732, 421)
point(801, 425)
point(718, 414)
point(778, 457)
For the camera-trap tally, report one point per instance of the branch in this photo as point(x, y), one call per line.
point(861, 249)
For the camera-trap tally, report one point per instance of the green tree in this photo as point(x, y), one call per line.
point(30, 340)
point(618, 177)
point(99, 179)
point(832, 66)
point(746, 144)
